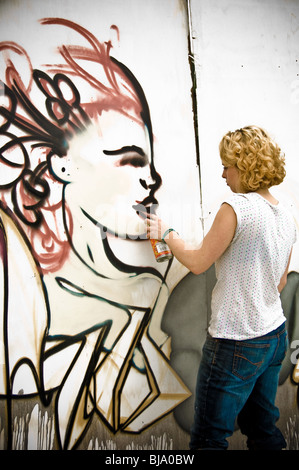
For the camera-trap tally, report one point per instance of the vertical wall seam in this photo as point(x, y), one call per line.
point(191, 60)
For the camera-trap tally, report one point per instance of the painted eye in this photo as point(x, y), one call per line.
point(130, 155)
point(133, 160)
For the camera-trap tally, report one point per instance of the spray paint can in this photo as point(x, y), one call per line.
point(161, 250)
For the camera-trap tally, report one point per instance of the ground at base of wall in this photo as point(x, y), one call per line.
point(164, 435)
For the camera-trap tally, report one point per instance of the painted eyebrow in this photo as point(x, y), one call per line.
point(126, 149)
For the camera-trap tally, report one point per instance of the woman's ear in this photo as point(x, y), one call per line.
point(60, 167)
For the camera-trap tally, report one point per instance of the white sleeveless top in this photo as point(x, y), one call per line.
point(245, 301)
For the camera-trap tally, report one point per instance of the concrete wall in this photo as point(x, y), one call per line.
point(246, 62)
point(100, 343)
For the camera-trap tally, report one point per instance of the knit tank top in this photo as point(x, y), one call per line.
point(245, 301)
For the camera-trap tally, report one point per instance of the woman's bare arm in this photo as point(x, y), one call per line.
point(198, 260)
point(283, 280)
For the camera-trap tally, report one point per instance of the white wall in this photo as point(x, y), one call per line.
point(247, 60)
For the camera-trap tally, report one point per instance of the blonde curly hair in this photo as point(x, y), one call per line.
point(258, 158)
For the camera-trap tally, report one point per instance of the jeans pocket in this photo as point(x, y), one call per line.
point(248, 359)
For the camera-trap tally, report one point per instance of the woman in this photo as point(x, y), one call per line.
point(250, 241)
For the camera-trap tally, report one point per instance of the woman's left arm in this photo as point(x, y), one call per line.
point(198, 260)
point(284, 278)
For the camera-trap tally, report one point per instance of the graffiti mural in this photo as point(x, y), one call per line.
point(83, 296)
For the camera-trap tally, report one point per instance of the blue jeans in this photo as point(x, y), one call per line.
point(239, 380)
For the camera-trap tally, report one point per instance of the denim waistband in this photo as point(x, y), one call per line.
point(272, 334)
point(277, 332)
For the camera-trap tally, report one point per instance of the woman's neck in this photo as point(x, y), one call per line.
point(265, 193)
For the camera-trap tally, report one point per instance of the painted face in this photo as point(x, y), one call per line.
point(232, 176)
point(108, 171)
